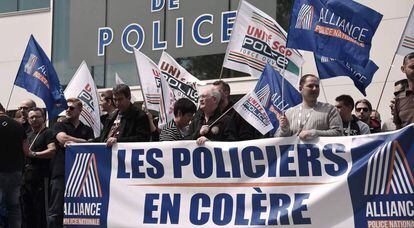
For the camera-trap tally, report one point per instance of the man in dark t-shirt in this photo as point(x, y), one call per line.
point(404, 103)
point(13, 148)
point(68, 131)
point(37, 171)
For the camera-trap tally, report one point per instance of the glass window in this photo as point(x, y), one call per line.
point(33, 4)
point(76, 33)
point(8, 6)
point(75, 26)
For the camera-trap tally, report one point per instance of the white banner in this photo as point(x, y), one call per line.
point(251, 109)
point(406, 45)
point(257, 39)
point(361, 181)
point(83, 87)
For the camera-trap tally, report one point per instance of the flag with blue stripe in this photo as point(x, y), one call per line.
point(334, 28)
point(361, 76)
point(37, 75)
point(269, 91)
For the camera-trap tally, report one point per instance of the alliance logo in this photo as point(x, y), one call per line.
point(305, 16)
point(28, 68)
point(83, 179)
point(264, 95)
point(388, 172)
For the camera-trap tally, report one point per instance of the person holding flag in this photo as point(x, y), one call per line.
point(311, 118)
point(208, 124)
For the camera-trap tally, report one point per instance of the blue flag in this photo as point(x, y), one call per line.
point(269, 91)
point(362, 76)
point(339, 29)
point(37, 75)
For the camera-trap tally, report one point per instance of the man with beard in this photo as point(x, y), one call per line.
point(404, 104)
point(36, 171)
point(311, 118)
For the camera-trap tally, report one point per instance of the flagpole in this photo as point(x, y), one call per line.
point(140, 84)
point(221, 71)
point(209, 126)
point(224, 113)
point(386, 79)
point(8, 101)
point(225, 56)
point(283, 83)
point(323, 89)
point(393, 58)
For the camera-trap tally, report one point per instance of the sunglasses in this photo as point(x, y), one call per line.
point(361, 109)
point(71, 108)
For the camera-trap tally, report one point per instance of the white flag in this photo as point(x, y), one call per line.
point(257, 39)
point(250, 108)
point(118, 80)
point(83, 87)
point(406, 45)
point(149, 77)
point(180, 80)
point(154, 87)
point(166, 103)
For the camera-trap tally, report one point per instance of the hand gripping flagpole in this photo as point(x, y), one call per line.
point(227, 49)
point(283, 83)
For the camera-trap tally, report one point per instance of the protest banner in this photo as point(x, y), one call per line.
point(256, 40)
point(38, 76)
point(338, 29)
point(251, 109)
point(82, 86)
point(182, 83)
point(269, 91)
point(361, 76)
point(357, 181)
point(406, 44)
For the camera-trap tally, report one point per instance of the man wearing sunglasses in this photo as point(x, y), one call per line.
point(363, 110)
point(352, 125)
point(404, 104)
point(24, 108)
point(68, 131)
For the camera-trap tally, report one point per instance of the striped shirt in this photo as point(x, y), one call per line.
point(170, 132)
point(321, 120)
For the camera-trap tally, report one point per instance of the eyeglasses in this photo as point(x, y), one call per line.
point(71, 108)
point(23, 108)
point(361, 109)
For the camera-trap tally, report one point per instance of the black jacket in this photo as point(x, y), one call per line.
point(216, 132)
point(134, 126)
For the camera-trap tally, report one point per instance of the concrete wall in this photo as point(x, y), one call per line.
point(16, 28)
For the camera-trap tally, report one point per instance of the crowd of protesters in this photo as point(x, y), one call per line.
point(32, 163)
